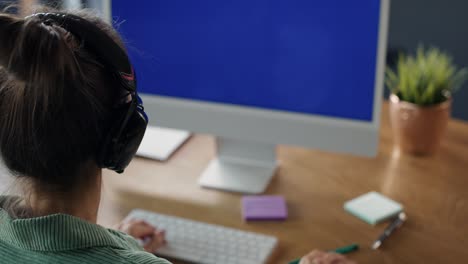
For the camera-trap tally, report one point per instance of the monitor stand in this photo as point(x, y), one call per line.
point(240, 166)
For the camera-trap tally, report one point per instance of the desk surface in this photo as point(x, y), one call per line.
point(434, 191)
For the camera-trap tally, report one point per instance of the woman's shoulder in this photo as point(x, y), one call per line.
point(128, 256)
point(143, 257)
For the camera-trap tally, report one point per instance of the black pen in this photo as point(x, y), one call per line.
point(389, 230)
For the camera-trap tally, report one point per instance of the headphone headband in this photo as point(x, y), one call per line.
point(97, 41)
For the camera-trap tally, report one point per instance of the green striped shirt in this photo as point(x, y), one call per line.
point(66, 239)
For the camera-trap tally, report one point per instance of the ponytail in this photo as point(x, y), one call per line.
point(55, 101)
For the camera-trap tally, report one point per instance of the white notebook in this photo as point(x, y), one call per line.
point(160, 143)
point(373, 207)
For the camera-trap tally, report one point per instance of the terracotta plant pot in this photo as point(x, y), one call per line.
point(418, 129)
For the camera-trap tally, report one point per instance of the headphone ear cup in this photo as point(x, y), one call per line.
point(127, 145)
point(125, 134)
point(106, 156)
point(117, 152)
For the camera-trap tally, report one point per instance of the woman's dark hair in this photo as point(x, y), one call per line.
point(56, 101)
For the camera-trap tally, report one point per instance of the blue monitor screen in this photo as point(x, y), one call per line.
point(307, 56)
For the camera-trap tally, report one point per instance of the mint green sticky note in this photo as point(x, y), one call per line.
point(373, 207)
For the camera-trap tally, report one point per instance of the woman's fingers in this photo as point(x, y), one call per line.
point(157, 240)
point(142, 231)
point(138, 229)
point(333, 258)
point(313, 255)
point(320, 257)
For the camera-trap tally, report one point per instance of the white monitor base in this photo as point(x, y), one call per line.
point(245, 167)
point(237, 177)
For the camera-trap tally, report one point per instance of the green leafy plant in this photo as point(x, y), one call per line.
point(426, 79)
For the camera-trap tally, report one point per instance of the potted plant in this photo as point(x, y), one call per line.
point(421, 97)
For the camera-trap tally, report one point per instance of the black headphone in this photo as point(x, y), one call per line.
point(126, 132)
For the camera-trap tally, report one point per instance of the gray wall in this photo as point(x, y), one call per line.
point(443, 23)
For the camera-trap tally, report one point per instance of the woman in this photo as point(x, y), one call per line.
point(58, 105)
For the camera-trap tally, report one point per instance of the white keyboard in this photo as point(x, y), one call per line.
point(204, 243)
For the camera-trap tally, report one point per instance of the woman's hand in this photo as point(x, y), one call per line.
point(320, 257)
point(152, 237)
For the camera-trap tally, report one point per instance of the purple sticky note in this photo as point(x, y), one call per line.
point(265, 207)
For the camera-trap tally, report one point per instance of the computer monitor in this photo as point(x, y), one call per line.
point(257, 73)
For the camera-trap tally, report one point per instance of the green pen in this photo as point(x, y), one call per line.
point(341, 250)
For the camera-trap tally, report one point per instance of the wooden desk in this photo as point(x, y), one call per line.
point(434, 191)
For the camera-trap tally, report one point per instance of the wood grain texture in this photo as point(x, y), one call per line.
point(434, 191)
